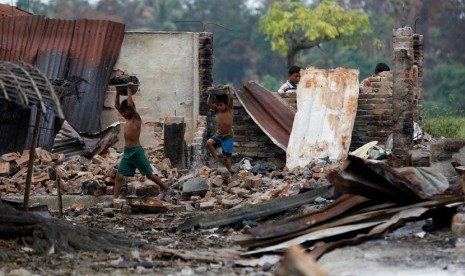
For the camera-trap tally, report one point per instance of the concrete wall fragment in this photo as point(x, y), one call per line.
point(326, 109)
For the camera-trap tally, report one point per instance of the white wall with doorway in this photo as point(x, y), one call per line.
point(166, 65)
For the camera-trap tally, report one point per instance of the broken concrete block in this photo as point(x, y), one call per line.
point(217, 181)
point(195, 186)
point(458, 224)
point(204, 171)
point(97, 159)
point(44, 155)
point(118, 203)
point(40, 178)
point(8, 157)
point(229, 203)
point(22, 161)
point(4, 168)
point(253, 181)
point(58, 158)
point(233, 184)
point(243, 175)
point(126, 209)
point(207, 205)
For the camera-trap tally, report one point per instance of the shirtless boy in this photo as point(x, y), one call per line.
point(133, 155)
point(223, 136)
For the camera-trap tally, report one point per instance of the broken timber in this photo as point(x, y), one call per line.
point(271, 113)
point(254, 211)
point(386, 198)
point(48, 235)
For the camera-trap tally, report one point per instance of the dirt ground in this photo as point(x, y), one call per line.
point(406, 251)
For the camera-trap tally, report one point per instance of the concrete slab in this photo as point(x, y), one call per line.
point(396, 257)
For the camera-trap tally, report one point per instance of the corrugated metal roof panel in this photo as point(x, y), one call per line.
point(7, 10)
point(271, 113)
point(326, 108)
point(65, 48)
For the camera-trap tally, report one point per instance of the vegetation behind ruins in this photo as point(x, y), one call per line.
point(243, 53)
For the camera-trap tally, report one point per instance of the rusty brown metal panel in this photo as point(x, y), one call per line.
point(53, 50)
point(66, 48)
point(274, 116)
point(94, 50)
point(7, 10)
point(275, 229)
point(378, 180)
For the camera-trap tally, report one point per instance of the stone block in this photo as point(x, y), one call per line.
point(253, 181)
point(4, 168)
point(8, 157)
point(195, 186)
point(22, 161)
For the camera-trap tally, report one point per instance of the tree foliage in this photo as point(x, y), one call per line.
point(291, 26)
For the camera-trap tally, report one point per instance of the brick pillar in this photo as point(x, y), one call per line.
point(403, 96)
point(373, 121)
point(418, 61)
point(173, 132)
point(205, 68)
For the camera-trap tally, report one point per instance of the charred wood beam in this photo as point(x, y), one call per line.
point(254, 211)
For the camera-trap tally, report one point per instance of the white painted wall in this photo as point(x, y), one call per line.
point(326, 107)
point(167, 67)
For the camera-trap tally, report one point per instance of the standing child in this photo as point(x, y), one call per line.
point(133, 155)
point(224, 135)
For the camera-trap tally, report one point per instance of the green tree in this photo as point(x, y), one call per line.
point(291, 26)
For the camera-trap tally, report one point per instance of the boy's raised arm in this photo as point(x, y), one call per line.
point(131, 105)
point(230, 96)
point(209, 103)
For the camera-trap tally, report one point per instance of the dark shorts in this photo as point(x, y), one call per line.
point(134, 158)
point(227, 144)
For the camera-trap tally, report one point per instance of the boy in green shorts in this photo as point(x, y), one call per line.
point(133, 155)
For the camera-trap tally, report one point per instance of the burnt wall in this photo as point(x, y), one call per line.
point(373, 121)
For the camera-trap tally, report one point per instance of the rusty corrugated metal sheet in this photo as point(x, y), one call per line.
point(326, 108)
point(7, 10)
point(65, 48)
point(71, 143)
point(271, 113)
point(378, 180)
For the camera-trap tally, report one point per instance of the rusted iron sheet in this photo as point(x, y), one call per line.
point(71, 143)
point(326, 108)
point(358, 217)
point(378, 180)
point(275, 229)
point(398, 219)
point(271, 113)
point(66, 48)
point(7, 10)
point(318, 235)
point(253, 211)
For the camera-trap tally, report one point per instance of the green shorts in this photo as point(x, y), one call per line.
point(134, 158)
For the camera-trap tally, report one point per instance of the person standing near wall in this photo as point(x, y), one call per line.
point(365, 85)
point(293, 78)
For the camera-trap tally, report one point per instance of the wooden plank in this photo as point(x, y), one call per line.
point(253, 211)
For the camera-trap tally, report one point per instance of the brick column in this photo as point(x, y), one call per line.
point(205, 69)
point(374, 113)
point(403, 96)
point(418, 61)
